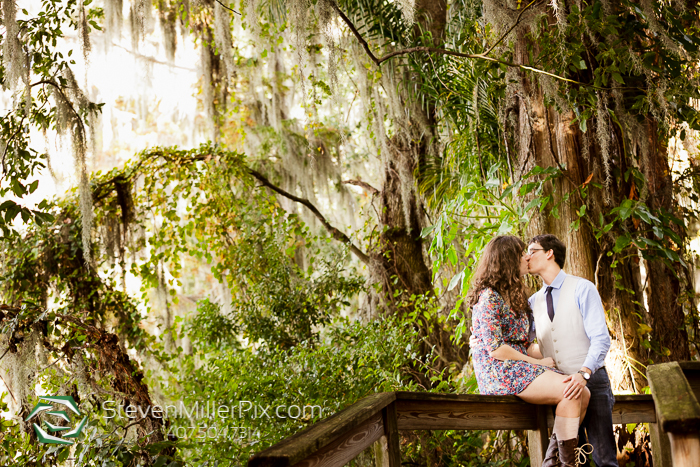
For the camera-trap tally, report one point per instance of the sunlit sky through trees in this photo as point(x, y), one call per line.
point(148, 99)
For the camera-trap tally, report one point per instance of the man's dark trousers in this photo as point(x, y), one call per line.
point(598, 421)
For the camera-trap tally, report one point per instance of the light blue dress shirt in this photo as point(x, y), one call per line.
point(589, 302)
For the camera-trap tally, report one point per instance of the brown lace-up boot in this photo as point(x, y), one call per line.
point(567, 452)
point(551, 457)
point(570, 455)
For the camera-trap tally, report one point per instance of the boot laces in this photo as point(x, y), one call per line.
point(582, 452)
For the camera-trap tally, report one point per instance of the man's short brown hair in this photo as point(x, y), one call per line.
point(551, 242)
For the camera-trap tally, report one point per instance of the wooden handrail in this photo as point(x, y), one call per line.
point(677, 409)
point(378, 418)
point(353, 430)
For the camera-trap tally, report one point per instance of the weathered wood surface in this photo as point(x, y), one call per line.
point(538, 440)
point(467, 413)
point(346, 448)
point(319, 435)
point(475, 412)
point(391, 432)
point(691, 370)
point(677, 408)
point(332, 440)
point(660, 446)
point(381, 452)
point(676, 390)
point(685, 448)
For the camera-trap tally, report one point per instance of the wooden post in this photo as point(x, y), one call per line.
point(678, 412)
point(538, 440)
point(660, 446)
point(685, 448)
point(381, 452)
point(391, 432)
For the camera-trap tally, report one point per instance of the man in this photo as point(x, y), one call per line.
point(570, 328)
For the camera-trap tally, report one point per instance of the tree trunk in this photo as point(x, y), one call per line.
point(663, 285)
point(546, 137)
point(399, 261)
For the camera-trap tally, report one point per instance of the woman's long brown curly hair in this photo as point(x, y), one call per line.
point(499, 269)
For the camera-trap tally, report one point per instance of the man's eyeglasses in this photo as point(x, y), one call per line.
point(534, 250)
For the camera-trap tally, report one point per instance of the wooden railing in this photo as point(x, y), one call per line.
point(672, 411)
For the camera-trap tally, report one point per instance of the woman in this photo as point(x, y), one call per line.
point(505, 361)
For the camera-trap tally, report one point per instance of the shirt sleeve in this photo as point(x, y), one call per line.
point(486, 316)
point(591, 306)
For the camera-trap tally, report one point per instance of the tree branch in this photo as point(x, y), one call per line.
point(229, 9)
point(335, 233)
point(482, 56)
point(362, 184)
point(517, 21)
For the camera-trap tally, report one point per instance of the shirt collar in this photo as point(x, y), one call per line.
point(557, 282)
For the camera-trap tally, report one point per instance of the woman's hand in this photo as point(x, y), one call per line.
point(547, 362)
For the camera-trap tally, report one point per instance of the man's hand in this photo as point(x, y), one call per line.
point(574, 386)
point(547, 362)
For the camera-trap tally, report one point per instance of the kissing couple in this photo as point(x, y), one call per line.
point(565, 366)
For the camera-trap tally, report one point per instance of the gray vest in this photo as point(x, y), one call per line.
point(564, 339)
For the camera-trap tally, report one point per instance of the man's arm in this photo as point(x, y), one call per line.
point(595, 327)
point(591, 306)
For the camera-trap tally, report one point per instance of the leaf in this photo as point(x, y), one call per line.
point(452, 255)
point(588, 180)
point(532, 203)
point(492, 182)
point(621, 243)
point(626, 209)
point(426, 231)
point(504, 228)
point(455, 280)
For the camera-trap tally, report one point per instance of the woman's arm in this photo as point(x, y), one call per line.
point(506, 352)
point(534, 351)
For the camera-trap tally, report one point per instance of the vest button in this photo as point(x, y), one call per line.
point(555, 340)
point(557, 351)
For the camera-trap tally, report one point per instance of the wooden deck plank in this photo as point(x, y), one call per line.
point(475, 412)
point(465, 415)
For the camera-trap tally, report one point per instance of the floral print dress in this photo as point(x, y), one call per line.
point(495, 324)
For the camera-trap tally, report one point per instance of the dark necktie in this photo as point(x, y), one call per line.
point(550, 303)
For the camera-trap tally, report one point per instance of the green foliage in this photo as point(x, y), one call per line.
point(471, 217)
point(44, 92)
point(203, 205)
point(263, 385)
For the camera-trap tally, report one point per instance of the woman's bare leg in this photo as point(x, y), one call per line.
point(548, 389)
